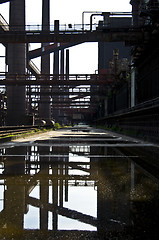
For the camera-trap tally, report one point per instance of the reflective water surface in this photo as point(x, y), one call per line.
point(84, 185)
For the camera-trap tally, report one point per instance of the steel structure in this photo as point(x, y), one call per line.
point(45, 90)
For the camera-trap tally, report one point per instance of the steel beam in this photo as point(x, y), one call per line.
point(53, 83)
point(4, 1)
point(108, 35)
point(66, 212)
point(49, 49)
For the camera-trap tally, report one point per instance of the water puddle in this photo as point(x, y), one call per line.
point(70, 188)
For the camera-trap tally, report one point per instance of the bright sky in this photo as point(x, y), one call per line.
point(84, 57)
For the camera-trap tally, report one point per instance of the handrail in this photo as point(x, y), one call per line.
point(30, 29)
point(51, 27)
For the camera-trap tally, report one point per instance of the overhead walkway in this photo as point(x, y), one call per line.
point(130, 35)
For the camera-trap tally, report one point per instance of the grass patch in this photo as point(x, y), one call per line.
point(57, 125)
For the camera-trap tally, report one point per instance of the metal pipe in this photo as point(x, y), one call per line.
point(94, 14)
point(106, 15)
point(83, 16)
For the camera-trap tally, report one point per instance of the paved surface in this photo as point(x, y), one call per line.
point(82, 132)
point(64, 133)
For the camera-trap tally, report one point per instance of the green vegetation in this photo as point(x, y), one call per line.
point(57, 125)
point(22, 133)
point(36, 130)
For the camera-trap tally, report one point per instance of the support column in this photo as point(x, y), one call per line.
point(132, 176)
point(66, 88)
point(132, 87)
point(67, 62)
point(44, 188)
point(135, 11)
point(55, 196)
point(62, 62)
point(45, 59)
point(56, 53)
point(56, 113)
point(44, 106)
point(16, 107)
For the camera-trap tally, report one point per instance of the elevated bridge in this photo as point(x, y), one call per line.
point(129, 34)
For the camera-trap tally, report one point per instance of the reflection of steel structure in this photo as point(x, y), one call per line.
point(43, 167)
point(52, 167)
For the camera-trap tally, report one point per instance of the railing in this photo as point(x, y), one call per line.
point(64, 28)
point(51, 28)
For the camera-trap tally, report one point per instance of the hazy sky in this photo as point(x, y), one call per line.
point(84, 57)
